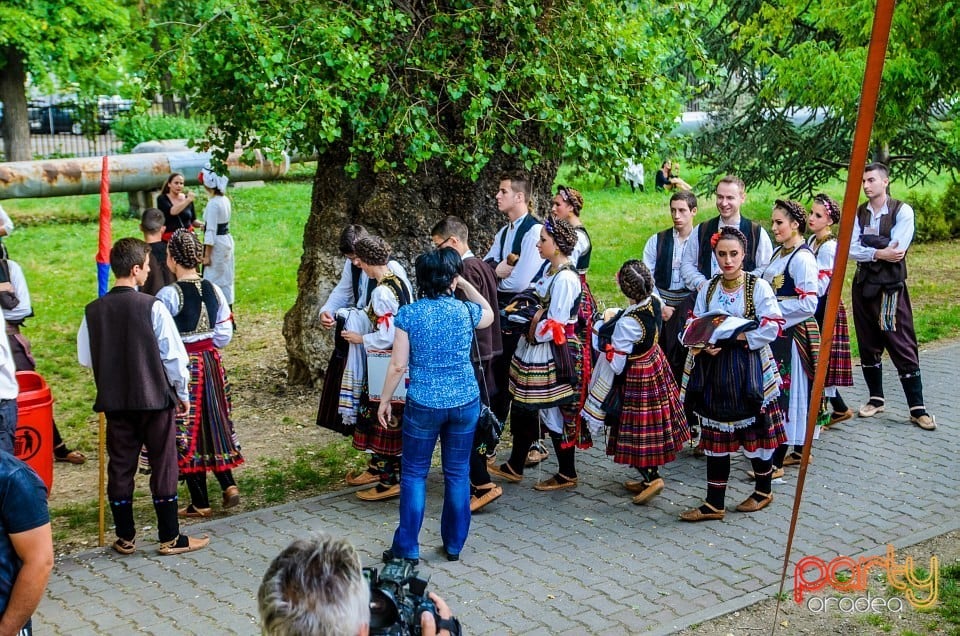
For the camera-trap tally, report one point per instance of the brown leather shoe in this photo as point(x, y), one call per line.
point(231, 497)
point(537, 453)
point(839, 416)
point(752, 505)
point(192, 543)
point(635, 486)
point(557, 482)
point(869, 410)
point(379, 493)
point(925, 421)
point(653, 489)
point(695, 514)
point(192, 512)
point(484, 496)
point(361, 479)
point(504, 472)
point(794, 459)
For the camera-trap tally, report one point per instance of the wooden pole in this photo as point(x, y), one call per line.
point(882, 19)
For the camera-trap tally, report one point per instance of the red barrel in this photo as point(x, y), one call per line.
point(34, 441)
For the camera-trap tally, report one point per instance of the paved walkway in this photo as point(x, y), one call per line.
point(585, 561)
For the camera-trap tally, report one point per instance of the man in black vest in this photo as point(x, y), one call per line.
point(139, 365)
point(516, 261)
point(882, 315)
point(698, 264)
point(662, 255)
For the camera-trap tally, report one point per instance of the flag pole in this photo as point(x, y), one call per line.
point(882, 19)
point(103, 279)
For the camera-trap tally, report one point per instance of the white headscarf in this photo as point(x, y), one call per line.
point(212, 180)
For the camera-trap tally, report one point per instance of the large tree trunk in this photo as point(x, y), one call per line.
point(13, 94)
point(403, 213)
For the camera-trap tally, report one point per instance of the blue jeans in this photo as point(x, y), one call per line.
point(8, 423)
point(421, 427)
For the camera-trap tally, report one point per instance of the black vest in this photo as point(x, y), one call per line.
point(528, 221)
point(784, 285)
point(750, 229)
point(198, 307)
point(127, 368)
point(880, 274)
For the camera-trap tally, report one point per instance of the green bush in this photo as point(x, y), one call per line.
point(937, 218)
point(136, 129)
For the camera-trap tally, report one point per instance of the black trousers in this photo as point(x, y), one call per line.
point(900, 344)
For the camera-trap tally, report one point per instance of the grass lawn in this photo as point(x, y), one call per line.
point(56, 239)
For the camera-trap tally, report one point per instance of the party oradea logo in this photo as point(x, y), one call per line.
point(852, 576)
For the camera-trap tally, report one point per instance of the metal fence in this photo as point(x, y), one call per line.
point(64, 128)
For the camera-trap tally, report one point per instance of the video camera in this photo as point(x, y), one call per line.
point(398, 597)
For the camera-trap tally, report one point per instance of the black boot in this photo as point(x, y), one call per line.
point(913, 389)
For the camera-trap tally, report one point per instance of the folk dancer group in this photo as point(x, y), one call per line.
point(560, 369)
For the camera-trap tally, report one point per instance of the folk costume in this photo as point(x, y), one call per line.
point(352, 290)
point(580, 257)
point(206, 438)
point(662, 255)
point(735, 392)
point(632, 389)
point(216, 218)
point(376, 323)
point(840, 366)
point(546, 378)
point(173, 222)
point(882, 315)
point(139, 364)
point(792, 274)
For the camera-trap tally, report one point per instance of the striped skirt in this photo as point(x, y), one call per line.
point(840, 369)
point(206, 438)
point(533, 375)
point(652, 427)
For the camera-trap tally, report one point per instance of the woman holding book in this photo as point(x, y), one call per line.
point(731, 379)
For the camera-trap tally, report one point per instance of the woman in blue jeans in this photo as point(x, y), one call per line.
point(433, 337)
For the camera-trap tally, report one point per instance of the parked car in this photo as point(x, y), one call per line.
point(58, 118)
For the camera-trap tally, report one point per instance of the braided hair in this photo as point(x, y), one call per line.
point(728, 232)
point(185, 249)
point(563, 234)
point(795, 211)
point(573, 197)
point(833, 208)
point(636, 281)
point(372, 250)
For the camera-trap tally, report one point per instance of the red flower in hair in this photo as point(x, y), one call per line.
point(714, 240)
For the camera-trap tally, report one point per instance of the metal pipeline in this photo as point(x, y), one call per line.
point(128, 173)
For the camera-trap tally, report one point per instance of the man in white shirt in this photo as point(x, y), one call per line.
point(139, 365)
point(516, 261)
point(698, 264)
point(662, 255)
point(882, 316)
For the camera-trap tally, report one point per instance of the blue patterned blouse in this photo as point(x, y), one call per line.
point(441, 334)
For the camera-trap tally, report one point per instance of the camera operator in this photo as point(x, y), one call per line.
point(316, 587)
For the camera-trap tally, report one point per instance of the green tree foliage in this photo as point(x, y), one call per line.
point(775, 58)
point(72, 41)
point(403, 83)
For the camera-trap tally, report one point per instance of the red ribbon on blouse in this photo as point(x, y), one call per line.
point(825, 273)
point(558, 331)
point(804, 294)
point(611, 352)
point(780, 323)
point(384, 320)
